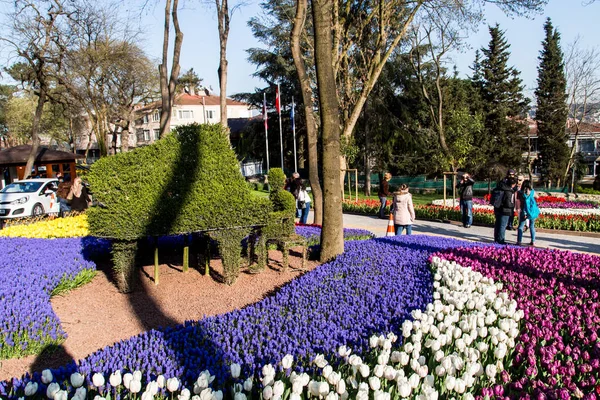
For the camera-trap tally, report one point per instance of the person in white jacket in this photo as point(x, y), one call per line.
point(303, 204)
point(404, 212)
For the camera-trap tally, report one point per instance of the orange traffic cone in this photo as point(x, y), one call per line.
point(391, 231)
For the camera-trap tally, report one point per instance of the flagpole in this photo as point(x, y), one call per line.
point(294, 132)
point(266, 128)
point(280, 129)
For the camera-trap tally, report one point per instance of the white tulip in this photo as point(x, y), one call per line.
point(287, 361)
point(438, 355)
point(327, 371)
point(364, 370)
point(490, 371)
point(76, 379)
point(354, 360)
point(340, 388)
point(98, 380)
point(440, 371)
point(278, 388)
point(115, 378)
point(237, 387)
point(248, 385)
point(172, 384)
point(390, 373)
point(98, 397)
point(185, 394)
point(374, 383)
point(344, 351)
point(383, 358)
point(152, 387)
point(137, 375)
point(414, 380)
point(332, 396)
point(47, 376)
point(297, 387)
point(320, 361)
point(147, 396)
point(217, 395)
point(242, 396)
point(378, 370)
point(404, 389)
point(450, 383)
point(235, 370)
point(52, 389)
point(127, 378)
point(373, 341)
point(161, 381)
point(334, 378)
point(404, 358)
point(423, 371)
point(80, 393)
point(135, 386)
point(61, 395)
point(323, 388)
point(31, 389)
point(267, 392)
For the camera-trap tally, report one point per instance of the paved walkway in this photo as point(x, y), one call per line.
point(477, 233)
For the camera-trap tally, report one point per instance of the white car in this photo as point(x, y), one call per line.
point(29, 198)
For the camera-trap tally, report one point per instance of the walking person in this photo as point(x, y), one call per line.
point(465, 193)
point(503, 199)
point(403, 210)
point(529, 212)
point(511, 219)
point(303, 204)
point(384, 192)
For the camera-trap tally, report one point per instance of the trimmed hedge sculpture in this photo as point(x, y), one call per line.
point(187, 182)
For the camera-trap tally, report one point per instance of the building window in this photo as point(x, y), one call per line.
point(146, 119)
point(156, 116)
point(186, 114)
point(156, 134)
point(209, 114)
point(586, 145)
point(146, 135)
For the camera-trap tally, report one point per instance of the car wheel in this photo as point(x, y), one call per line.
point(37, 210)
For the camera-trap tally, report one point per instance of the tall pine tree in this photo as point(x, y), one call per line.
point(500, 144)
point(552, 112)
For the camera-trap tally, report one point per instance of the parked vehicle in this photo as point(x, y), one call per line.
point(29, 198)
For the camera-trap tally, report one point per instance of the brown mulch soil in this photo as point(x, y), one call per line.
point(98, 315)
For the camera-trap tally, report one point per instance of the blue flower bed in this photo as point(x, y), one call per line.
point(370, 289)
point(30, 270)
point(313, 234)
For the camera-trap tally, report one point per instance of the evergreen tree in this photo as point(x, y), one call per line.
point(500, 144)
point(551, 114)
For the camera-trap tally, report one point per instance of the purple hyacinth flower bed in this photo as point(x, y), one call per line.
point(313, 233)
point(558, 351)
point(31, 269)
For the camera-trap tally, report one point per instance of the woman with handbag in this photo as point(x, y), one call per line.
point(303, 204)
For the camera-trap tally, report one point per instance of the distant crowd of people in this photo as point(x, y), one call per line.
point(513, 196)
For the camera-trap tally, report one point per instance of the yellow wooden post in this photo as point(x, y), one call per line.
point(186, 254)
point(156, 261)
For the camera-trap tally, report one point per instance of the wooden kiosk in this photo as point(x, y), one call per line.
point(47, 163)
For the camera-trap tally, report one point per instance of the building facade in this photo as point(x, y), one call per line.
point(188, 108)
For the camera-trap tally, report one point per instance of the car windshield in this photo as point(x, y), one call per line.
point(22, 187)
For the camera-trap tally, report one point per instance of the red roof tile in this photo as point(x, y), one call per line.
point(186, 99)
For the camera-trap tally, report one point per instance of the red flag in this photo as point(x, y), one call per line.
point(278, 101)
point(265, 115)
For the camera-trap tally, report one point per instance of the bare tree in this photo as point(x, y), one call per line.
point(582, 70)
point(223, 19)
point(168, 83)
point(32, 34)
point(307, 99)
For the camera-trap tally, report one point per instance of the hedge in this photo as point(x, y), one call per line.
point(186, 182)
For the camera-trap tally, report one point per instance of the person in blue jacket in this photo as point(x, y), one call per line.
point(529, 211)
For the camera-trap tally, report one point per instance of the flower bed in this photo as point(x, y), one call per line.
point(32, 270)
point(312, 337)
point(558, 351)
point(313, 233)
point(363, 206)
point(561, 219)
point(50, 229)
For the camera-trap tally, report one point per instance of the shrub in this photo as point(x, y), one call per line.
point(187, 182)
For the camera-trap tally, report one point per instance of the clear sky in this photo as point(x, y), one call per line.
point(201, 41)
point(201, 51)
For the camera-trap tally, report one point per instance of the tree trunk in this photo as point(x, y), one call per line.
point(332, 233)
point(167, 86)
point(307, 101)
point(367, 160)
point(223, 18)
point(35, 131)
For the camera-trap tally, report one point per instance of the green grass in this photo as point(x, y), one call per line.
point(66, 284)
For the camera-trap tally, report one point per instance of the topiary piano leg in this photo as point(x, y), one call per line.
point(186, 254)
point(156, 261)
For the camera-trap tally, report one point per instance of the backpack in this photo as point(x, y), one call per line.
point(497, 197)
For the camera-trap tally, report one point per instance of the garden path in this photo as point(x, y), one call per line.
point(97, 315)
point(485, 234)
